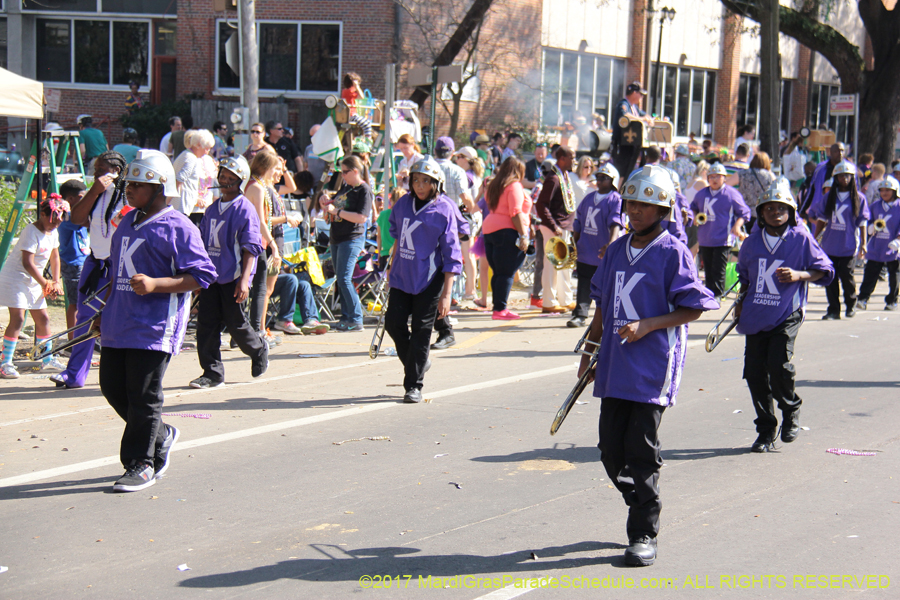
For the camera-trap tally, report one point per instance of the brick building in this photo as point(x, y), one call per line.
point(538, 62)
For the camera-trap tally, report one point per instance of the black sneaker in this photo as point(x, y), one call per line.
point(161, 460)
point(790, 426)
point(444, 341)
point(829, 316)
point(137, 477)
point(641, 551)
point(862, 304)
point(205, 383)
point(575, 322)
point(850, 313)
point(413, 396)
point(765, 442)
point(260, 365)
point(892, 306)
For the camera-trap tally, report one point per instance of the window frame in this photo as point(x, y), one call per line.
point(708, 90)
point(57, 13)
point(72, 84)
point(554, 98)
point(270, 93)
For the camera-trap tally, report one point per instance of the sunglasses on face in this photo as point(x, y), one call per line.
point(256, 132)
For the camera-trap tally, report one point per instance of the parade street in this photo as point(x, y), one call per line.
point(315, 481)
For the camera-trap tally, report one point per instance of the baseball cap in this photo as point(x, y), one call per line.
point(468, 152)
point(444, 145)
point(482, 139)
point(635, 86)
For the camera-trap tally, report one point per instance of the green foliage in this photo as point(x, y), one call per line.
point(152, 122)
point(8, 189)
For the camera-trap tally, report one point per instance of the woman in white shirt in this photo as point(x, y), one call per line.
point(189, 168)
point(581, 179)
point(411, 155)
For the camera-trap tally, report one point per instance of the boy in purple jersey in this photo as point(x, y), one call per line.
point(598, 222)
point(775, 265)
point(230, 230)
point(719, 212)
point(883, 244)
point(841, 217)
point(157, 260)
point(426, 260)
point(647, 291)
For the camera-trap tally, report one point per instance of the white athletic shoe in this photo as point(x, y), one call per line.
point(53, 366)
point(8, 371)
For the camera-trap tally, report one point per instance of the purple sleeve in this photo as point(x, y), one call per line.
point(743, 270)
point(816, 259)
point(600, 274)
point(191, 257)
point(695, 203)
point(741, 208)
point(449, 245)
point(579, 213)
point(685, 288)
point(248, 236)
point(864, 214)
point(614, 202)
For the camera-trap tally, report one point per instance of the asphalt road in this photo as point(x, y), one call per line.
point(279, 493)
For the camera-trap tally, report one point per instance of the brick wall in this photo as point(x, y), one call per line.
point(727, 80)
point(634, 66)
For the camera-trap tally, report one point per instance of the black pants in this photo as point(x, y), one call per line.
point(583, 299)
point(258, 293)
point(413, 346)
point(215, 309)
point(715, 263)
point(770, 374)
point(537, 288)
point(131, 381)
point(870, 280)
point(505, 258)
point(629, 449)
point(843, 276)
point(443, 326)
point(625, 158)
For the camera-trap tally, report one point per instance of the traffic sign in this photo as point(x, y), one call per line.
point(840, 105)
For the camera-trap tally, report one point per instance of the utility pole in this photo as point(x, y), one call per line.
point(249, 58)
point(769, 81)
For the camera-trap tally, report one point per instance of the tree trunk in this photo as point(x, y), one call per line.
point(879, 116)
point(769, 81)
point(454, 115)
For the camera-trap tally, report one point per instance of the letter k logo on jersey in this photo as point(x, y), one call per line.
point(623, 295)
point(125, 256)
point(708, 208)
point(590, 219)
point(406, 233)
point(215, 226)
point(838, 214)
point(764, 276)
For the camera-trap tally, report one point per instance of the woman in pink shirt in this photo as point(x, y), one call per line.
point(506, 231)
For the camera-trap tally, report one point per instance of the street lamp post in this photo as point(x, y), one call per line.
point(665, 13)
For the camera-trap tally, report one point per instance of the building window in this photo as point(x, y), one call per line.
point(164, 37)
point(3, 62)
point(92, 52)
point(293, 57)
point(688, 99)
point(820, 116)
point(748, 102)
point(143, 7)
point(574, 82)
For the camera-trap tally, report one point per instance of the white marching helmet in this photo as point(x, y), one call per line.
point(152, 166)
point(608, 170)
point(429, 166)
point(889, 183)
point(779, 191)
point(717, 169)
point(651, 185)
point(237, 165)
point(845, 167)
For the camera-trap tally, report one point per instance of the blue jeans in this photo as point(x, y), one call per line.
point(290, 290)
point(505, 259)
point(343, 256)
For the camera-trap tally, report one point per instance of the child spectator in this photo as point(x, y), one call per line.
point(74, 247)
point(352, 90)
point(23, 286)
point(871, 189)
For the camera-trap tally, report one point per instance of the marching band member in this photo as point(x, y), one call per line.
point(554, 207)
point(719, 212)
point(841, 218)
point(230, 230)
point(157, 260)
point(426, 260)
point(646, 289)
point(882, 249)
point(774, 266)
point(598, 222)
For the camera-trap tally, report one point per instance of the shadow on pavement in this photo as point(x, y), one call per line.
point(354, 564)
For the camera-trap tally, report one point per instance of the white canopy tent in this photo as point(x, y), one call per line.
point(20, 96)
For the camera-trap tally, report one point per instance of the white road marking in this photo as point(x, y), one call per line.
point(507, 593)
point(234, 435)
point(218, 389)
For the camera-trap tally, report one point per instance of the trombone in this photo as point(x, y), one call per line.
point(378, 336)
point(582, 382)
point(701, 219)
point(45, 348)
point(715, 336)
